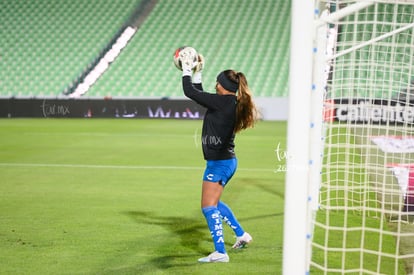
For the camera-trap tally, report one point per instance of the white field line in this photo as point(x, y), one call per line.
point(138, 167)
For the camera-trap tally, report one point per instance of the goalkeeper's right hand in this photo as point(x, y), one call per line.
point(188, 61)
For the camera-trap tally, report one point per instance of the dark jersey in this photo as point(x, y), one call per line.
point(218, 126)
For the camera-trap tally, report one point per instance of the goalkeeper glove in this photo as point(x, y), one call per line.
point(187, 62)
point(198, 69)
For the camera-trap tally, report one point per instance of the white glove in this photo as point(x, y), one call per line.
point(198, 69)
point(188, 60)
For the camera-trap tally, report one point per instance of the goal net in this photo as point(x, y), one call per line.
point(362, 222)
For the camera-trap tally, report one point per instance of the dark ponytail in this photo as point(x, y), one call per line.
point(246, 113)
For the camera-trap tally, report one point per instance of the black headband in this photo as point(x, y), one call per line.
point(226, 83)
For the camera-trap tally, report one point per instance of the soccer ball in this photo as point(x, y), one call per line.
point(185, 51)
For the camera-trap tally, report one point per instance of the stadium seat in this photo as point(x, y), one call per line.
point(48, 44)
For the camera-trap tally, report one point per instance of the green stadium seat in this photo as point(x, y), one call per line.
point(49, 43)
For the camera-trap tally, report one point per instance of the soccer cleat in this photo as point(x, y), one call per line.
point(215, 257)
point(242, 241)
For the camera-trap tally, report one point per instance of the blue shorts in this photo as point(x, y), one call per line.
point(220, 170)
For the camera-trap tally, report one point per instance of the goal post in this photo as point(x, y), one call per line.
point(297, 170)
point(349, 201)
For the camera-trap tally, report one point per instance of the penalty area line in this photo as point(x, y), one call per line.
point(138, 167)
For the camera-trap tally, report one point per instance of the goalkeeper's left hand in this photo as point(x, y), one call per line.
point(198, 69)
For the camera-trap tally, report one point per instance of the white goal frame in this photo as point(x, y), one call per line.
point(309, 58)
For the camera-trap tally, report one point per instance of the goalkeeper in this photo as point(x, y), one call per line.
point(229, 111)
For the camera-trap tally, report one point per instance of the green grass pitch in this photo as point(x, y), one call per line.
point(108, 196)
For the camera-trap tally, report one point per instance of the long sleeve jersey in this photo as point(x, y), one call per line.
point(219, 121)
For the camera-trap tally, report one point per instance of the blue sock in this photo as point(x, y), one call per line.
point(228, 216)
point(213, 219)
